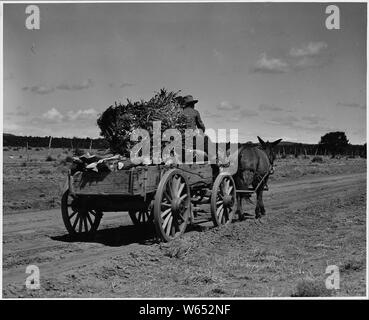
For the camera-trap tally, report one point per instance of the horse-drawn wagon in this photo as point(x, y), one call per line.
point(168, 196)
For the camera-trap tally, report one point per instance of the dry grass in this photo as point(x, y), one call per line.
point(311, 288)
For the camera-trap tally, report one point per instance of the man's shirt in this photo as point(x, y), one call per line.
point(193, 118)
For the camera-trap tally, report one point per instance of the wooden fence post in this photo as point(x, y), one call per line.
point(27, 152)
point(49, 145)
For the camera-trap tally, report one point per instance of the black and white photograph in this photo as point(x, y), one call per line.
point(175, 150)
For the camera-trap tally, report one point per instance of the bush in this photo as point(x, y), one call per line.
point(50, 158)
point(311, 288)
point(66, 160)
point(78, 152)
point(317, 159)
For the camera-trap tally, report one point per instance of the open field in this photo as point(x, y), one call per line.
point(316, 216)
point(36, 184)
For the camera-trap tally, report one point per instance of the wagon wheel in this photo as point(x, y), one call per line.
point(142, 217)
point(77, 220)
point(172, 205)
point(223, 199)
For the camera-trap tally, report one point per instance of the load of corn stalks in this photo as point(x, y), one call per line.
point(117, 122)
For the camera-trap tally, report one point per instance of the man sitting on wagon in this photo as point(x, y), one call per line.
point(193, 116)
point(194, 122)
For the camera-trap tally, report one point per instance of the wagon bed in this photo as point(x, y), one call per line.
point(136, 181)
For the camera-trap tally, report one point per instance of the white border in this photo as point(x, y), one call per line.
point(183, 298)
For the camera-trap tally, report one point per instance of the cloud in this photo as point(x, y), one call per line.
point(43, 89)
point(247, 113)
point(310, 49)
point(312, 119)
point(86, 114)
point(284, 121)
point(126, 84)
point(270, 65)
point(39, 89)
point(122, 85)
point(353, 105)
point(267, 107)
point(20, 112)
point(235, 111)
point(228, 106)
point(52, 115)
point(307, 56)
point(77, 86)
point(306, 123)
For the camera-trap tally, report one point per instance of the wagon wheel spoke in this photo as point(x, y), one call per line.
point(164, 213)
point(73, 214)
point(143, 216)
point(169, 225)
point(164, 204)
point(147, 215)
point(85, 222)
point(220, 212)
point(175, 184)
point(76, 221)
point(225, 215)
point(173, 229)
point(89, 218)
point(182, 185)
point(166, 220)
point(229, 190)
point(80, 225)
point(171, 190)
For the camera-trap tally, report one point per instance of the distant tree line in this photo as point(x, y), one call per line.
point(333, 143)
point(10, 140)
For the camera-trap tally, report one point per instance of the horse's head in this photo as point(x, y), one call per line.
point(268, 147)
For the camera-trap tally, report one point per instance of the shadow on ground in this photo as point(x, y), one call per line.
point(115, 237)
point(128, 234)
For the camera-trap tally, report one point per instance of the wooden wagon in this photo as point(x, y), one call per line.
point(169, 196)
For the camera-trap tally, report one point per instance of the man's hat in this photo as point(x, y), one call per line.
point(189, 100)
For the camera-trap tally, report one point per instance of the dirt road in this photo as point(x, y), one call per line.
point(310, 223)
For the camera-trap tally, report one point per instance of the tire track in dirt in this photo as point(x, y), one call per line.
point(39, 237)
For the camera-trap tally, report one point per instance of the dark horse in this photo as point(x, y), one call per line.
point(254, 163)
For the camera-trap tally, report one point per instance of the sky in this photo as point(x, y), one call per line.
point(267, 69)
